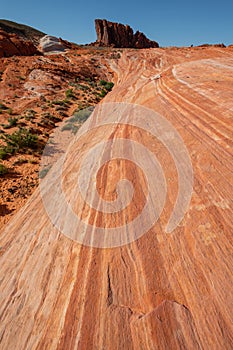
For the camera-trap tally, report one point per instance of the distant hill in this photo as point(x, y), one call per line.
point(23, 31)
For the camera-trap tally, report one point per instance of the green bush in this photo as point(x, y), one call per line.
point(59, 103)
point(11, 123)
point(72, 127)
point(103, 82)
point(69, 93)
point(17, 141)
point(81, 115)
point(83, 87)
point(109, 86)
point(44, 172)
point(103, 93)
point(3, 169)
point(3, 153)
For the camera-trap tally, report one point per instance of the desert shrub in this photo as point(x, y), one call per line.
point(81, 115)
point(3, 153)
point(49, 116)
point(59, 102)
point(9, 111)
point(103, 82)
point(18, 141)
point(83, 87)
point(103, 93)
point(69, 93)
point(11, 123)
point(115, 55)
point(3, 107)
point(30, 114)
point(20, 161)
point(3, 169)
point(71, 127)
point(44, 172)
point(109, 86)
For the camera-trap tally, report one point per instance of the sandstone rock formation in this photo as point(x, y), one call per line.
point(165, 291)
point(119, 35)
point(21, 30)
point(11, 44)
point(52, 44)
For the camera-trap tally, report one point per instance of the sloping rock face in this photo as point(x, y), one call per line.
point(165, 291)
point(53, 44)
point(21, 30)
point(11, 44)
point(119, 35)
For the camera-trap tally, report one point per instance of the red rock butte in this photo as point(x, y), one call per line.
point(162, 291)
point(120, 35)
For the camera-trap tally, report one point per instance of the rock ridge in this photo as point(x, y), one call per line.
point(11, 44)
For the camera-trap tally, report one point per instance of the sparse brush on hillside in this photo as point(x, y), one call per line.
point(78, 118)
point(3, 169)
point(17, 142)
point(11, 123)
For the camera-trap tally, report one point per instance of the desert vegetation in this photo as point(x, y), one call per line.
point(71, 86)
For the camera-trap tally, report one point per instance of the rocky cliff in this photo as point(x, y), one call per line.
point(11, 44)
point(119, 35)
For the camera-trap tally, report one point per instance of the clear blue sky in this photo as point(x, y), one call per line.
point(170, 22)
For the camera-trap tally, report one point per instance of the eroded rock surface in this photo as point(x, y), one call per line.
point(53, 44)
point(22, 31)
point(162, 291)
point(11, 44)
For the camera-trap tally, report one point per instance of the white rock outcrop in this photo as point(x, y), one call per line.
point(51, 44)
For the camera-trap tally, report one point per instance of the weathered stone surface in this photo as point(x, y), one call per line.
point(163, 291)
point(11, 44)
point(53, 44)
point(22, 31)
point(119, 35)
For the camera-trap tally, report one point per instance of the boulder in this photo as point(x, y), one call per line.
point(53, 44)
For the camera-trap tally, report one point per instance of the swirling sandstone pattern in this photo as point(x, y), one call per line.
point(163, 291)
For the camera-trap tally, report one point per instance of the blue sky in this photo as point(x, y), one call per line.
point(171, 23)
